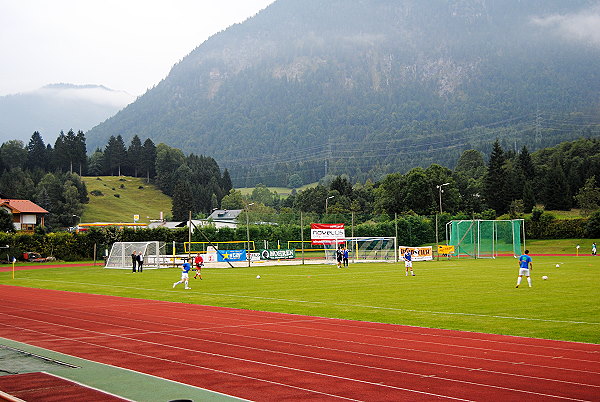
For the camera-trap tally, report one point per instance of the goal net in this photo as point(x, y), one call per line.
point(485, 238)
point(365, 249)
point(153, 252)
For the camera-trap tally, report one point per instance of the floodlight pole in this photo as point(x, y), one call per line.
point(437, 241)
point(327, 202)
point(302, 236)
point(190, 236)
point(248, 233)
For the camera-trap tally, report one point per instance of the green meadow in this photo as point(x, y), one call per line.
point(461, 294)
point(122, 198)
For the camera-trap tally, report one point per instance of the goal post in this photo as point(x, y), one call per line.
point(365, 249)
point(153, 252)
point(486, 238)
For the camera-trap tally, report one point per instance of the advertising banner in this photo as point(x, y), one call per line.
point(327, 233)
point(231, 255)
point(278, 254)
point(418, 253)
point(445, 249)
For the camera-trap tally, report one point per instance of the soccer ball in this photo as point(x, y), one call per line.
point(557, 265)
point(544, 277)
point(257, 276)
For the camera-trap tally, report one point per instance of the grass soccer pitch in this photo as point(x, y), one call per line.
point(461, 294)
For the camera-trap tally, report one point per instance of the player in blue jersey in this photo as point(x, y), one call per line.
point(525, 266)
point(408, 262)
point(185, 269)
point(345, 255)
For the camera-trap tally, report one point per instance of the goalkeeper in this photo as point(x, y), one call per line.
point(198, 262)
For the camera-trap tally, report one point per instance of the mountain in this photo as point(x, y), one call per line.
point(311, 88)
point(57, 107)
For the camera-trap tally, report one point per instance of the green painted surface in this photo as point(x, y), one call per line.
point(124, 383)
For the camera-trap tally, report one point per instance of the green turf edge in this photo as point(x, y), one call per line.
point(118, 381)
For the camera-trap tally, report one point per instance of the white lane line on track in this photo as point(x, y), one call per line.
point(241, 375)
point(308, 371)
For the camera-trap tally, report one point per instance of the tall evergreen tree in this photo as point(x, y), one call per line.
point(226, 184)
point(526, 164)
point(115, 155)
point(556, 188)
point(36, 153)
point(80, 153)
point(134, 156)
point(148, 157)
point(495, 181)
point(183, 199)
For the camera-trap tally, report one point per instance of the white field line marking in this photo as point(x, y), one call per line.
point(343, 304)
point(306, 371)
point(239, 359)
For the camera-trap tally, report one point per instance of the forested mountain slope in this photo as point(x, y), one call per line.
point(368, 87)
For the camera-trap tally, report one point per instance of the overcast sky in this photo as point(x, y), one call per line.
point(127, 45)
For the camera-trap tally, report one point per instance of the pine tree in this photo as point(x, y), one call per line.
point(134, 156)
point(148, 159)
point(556, 188)
point(115, 155)
point(36, 153)
point(496, 181)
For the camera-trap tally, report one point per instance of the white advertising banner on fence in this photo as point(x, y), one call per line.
point(327, 233)
point(418, 253)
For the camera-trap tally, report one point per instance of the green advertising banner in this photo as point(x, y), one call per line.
point(280, 254)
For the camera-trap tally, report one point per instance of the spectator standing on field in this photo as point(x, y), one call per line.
point(134, 260)
point(408, 262)
point(185, 269)
point(345, 256)
point(140, 261)
point(525, 266)
point(594, 249)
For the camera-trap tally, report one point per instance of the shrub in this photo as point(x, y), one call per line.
point(96, 193)
point(117, 195)
point(592, 229)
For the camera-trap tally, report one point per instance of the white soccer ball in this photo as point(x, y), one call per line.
point(557, 265)
point(257, 276)
point(544, 277)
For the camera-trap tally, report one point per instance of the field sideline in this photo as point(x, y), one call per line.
point(467, 295)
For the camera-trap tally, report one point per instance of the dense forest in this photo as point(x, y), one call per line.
point(504, 182)
point(51, 176)
point(363, 89)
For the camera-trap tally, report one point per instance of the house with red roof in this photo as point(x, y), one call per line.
point(26, 214)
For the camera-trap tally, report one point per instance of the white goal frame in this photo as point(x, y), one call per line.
point(365, 249)
point(153, 252)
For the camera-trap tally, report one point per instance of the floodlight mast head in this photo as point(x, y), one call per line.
point(327, 202)
point(441, 191)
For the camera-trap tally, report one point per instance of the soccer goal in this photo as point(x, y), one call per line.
point(365, 249)
point(486, 238)
point(153, 252)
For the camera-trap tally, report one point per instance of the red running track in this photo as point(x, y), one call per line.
point(270, 356)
